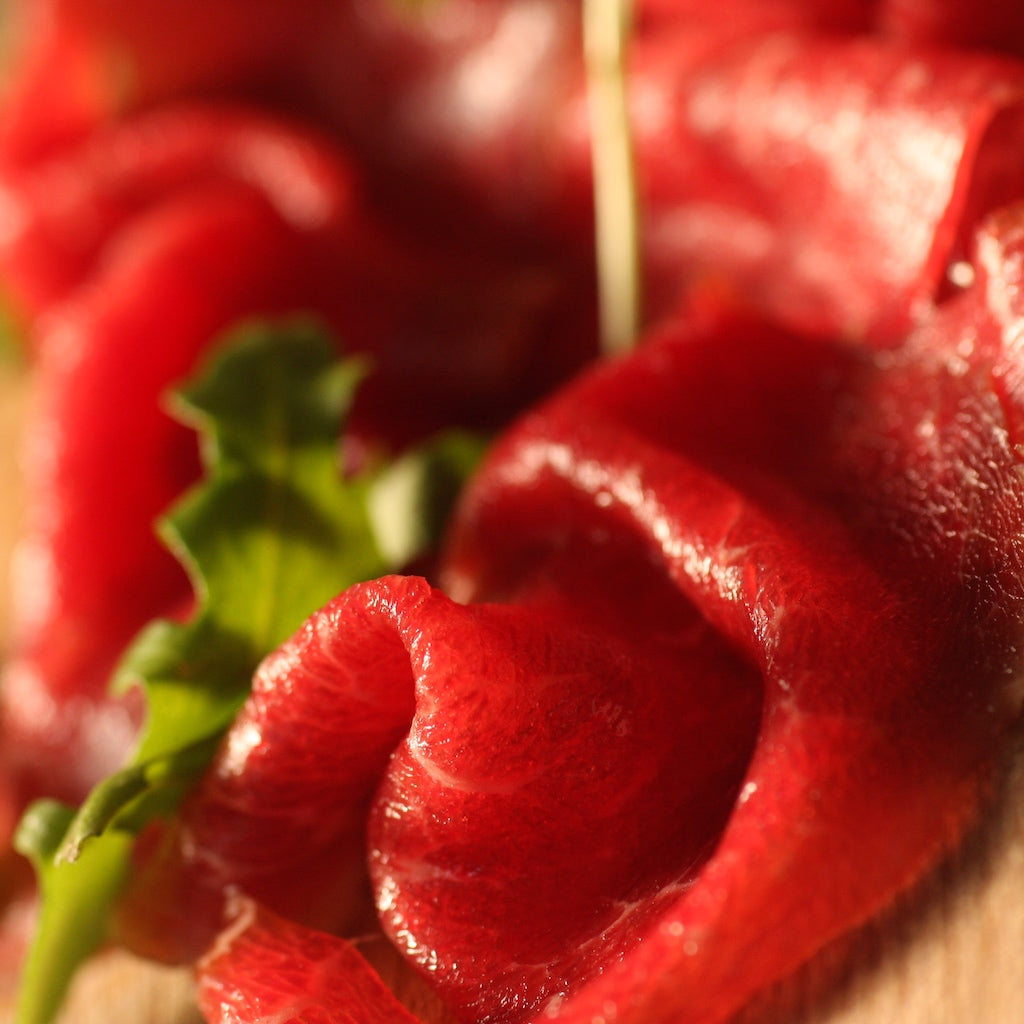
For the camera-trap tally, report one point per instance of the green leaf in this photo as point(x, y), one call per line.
point(136, 794)
point(273, 532)
point(271, 535)
point(409, 500)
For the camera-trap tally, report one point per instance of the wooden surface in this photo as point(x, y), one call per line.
point(951, 952)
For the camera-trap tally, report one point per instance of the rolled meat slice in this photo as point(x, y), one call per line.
point(832, 184)
point(727, 605)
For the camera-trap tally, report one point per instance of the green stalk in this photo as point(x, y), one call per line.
point(606, 28)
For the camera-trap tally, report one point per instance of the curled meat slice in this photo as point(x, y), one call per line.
point(628, 733)
point(829, 179)
point(89, 571)
point(65, 212)
point(831, 182)
point(733, 531)
point(872, 702)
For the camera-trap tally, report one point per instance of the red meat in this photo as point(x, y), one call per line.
point(824, 538)
point(830, 183)
point(824, 176)
point(66, 211)
point(848, 524)
point(268, 965)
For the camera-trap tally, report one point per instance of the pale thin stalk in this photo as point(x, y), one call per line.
point(606, 25)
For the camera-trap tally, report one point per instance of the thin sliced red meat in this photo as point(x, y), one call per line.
point(423, 309)
point(90, 571)
point(882, 693)
point(795, 495)
point(847, 522)
point(267, 968)
point(67, 210)
point(283, 814)
point(827, 182)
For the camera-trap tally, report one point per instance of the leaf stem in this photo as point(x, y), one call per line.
point(606, 27)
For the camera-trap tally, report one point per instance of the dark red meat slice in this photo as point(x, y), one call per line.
point(847, 522)
point(810, 849)
point(466, 328)
point(366, 56)
point(828, 182)
point(66, 211)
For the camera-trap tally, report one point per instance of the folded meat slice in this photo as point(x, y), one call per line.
point(829, 179)
point(68, 209)
point(888, 648)
point(89, 571)
point(626, 732)
point(830, 182)
point(732, 530)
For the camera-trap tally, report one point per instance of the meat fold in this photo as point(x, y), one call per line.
point(785, 577)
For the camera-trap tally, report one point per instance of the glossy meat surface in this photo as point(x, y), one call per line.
point(849, 523)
